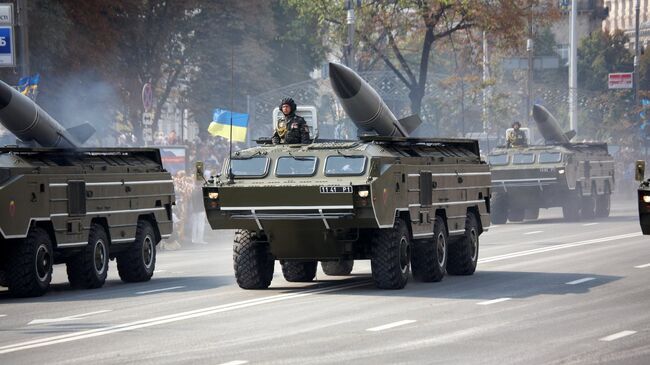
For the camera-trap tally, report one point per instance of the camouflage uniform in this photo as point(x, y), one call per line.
point(291, 128)
point(516, 138)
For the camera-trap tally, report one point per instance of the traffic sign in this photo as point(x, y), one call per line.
point(7, 55)
point(620, 80)
point(147, 119)
point(7, 14)
point(147, 96)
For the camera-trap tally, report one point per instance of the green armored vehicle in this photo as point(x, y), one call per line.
point(404, 203)
point(579, 177)
point(78, 206)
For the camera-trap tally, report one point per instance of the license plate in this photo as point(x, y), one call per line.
point(335, 189)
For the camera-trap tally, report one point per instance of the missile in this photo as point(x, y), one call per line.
point(365, 107)
point(27, 121)
point(549, 127)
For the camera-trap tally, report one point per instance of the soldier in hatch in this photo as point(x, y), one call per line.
point(516, 137)
point(290, 128)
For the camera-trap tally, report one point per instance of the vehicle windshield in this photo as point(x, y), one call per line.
point(250, 167)
point(523, 158)
point(296, 166)
point(550, 157)
point(345, 165)
point(498, 159)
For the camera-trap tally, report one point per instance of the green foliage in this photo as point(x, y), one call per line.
point(600, 54)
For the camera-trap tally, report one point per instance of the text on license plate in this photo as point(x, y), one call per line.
point(335, 189)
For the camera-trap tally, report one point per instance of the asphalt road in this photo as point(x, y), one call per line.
point(545, 292)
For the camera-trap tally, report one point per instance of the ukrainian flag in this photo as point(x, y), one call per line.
point(220, 125)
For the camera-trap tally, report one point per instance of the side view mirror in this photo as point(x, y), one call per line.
point(199, 171)
point(639, 170)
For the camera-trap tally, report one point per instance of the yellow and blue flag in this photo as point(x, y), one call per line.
point(220, 125)
point(28, 85)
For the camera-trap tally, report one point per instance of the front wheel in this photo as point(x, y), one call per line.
point(499, 209)
point(463, 254)
point(252, 261)
point(88, 269)
point(603, 204)
point(138, 262)
point(391, 256)
point(29, 269)
point(571, 207)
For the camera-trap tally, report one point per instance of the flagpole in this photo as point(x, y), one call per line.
point(231, 178)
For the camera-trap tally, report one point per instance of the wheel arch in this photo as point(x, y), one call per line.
point(474, 210)
point(154, 224)
point(49, 228)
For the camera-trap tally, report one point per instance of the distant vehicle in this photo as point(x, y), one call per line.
point(404, 203)
point(643, 195)
point(579, 177)
point(78, 206)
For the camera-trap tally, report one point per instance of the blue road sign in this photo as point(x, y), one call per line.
point(6, 46)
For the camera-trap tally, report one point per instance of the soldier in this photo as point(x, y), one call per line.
point(291, 128)
point(516, 137)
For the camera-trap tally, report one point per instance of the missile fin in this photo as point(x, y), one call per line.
point(82, 132)
point(570, 134)
point(410, 123)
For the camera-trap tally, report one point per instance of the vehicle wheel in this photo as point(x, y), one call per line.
point(299, 271)
point(531, 213)
point(88, 269)
point(587, 207)
point(463, 254)
point(138, 262)
point(252, 261)
point(3, 278)
point(571, 207)
point(516, 214)
point(429, 257)
point(390, 258)
point(29, 271)
point(603, 203)
point(499, 209)
point(337, 268)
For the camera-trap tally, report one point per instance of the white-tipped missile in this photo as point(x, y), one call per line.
point(549, 127)
point(25, 119)
point(365, 107)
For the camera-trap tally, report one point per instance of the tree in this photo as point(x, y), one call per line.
point(600, 54)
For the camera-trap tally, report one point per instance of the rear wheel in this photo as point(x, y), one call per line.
point(29, 270)
point(252, 261)
point(139, 261)
point(299, 271)
point(337, 268)
point(571, 207)
point(88, 269)
point(463, 254)
point(499, 209)
point(587, 207)
point(516, 214)
point(603, 203)
point(391, 256)
point(429, 257)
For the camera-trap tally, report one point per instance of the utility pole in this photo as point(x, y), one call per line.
point(573, 69)
point(24, 37)
point(486, 90)
point(529, 49)
point(636, 53)
point(349, 5)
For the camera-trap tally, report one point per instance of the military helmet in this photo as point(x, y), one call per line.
point(289, 102)
point(516, 124)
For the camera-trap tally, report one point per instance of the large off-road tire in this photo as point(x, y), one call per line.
point(391, 256)
point(29, 269)
point(516, 214)
point(603, 204)
point(138, 262)
point(588, 207)
point(463, 253)
point(252, 261)
point(429, 256)
point(88, 269)
point(499, 209)
point(531, 213)
point(299, 271)
point(571, 207)
point(337, 268)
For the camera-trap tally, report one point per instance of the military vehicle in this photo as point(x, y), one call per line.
point(407, 204)
point(579, 177)
point(80, 206)
point(643, 196)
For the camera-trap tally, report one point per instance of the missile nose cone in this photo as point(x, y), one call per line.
point(5, 95)
point(539, 112)
point(345, 82)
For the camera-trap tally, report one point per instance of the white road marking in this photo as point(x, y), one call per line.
point(642, 266)
point(589, 224)
point(558, 247)
point(488, 302)
point(48, 341)
point(580, 281)
point(390, 325)
point(159, 271)
point(159, 290)
point(616, 336)
point(236, 362)
point(65, 319)
point(533, 232)
point(2, 315)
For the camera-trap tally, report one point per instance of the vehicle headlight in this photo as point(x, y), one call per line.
point(646, 198)
point(213, 195)
point(560, 171)
point(363, 193)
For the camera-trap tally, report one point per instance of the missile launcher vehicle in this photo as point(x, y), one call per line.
point(408, 204)
point(579, 177)
point(60, 203)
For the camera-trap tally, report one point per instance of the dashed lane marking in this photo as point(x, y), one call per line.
point(493, 301)
point(390, 325)
point(618, 335)
point(533, 232)
point(236, 362)
point(580, 281)
point(2, 315)
point(642, 266)
point(159, 290)
point(590, 224)
point(68, 318)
